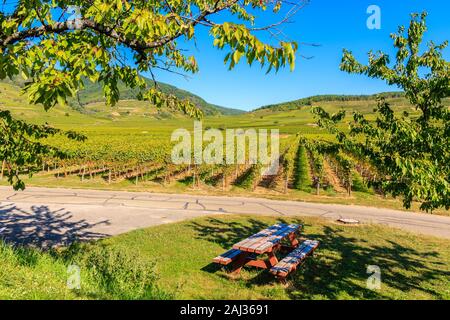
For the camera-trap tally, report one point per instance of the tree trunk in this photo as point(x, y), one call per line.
point(350, 185)
point(3, 169)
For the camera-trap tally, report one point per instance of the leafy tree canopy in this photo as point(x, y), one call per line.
point(409, 151)
point(57, 44)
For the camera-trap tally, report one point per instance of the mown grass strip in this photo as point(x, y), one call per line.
point(301, 169)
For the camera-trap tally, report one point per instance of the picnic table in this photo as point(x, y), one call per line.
point(277, 238)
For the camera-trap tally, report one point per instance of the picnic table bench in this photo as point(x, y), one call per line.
point(268, 242)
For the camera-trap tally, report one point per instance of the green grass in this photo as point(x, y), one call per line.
point(105, 272)
point(358, 183)
point(301, 170)
point(412, 266)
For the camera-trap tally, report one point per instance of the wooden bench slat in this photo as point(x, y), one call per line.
point(259, 236)
point(286, 265)
point(295, 257)
point(299, 254)
point(275, 238)
point(227, 257)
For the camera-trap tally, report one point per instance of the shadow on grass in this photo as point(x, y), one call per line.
point(341, 260)
point(43, 228)
point(188, 180)
point(245, 180)
point(339, 267)
point(214, 180)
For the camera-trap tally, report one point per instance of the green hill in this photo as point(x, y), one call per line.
point(309, 101)
point(92, 94)
point(92, 110)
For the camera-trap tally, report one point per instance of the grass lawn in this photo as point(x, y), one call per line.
point(174, 261)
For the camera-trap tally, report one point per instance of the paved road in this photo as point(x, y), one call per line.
point(55, 216)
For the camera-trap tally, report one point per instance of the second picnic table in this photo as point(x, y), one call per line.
point(268, 242)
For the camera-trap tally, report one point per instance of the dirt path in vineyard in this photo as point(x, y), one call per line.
point(332, 177)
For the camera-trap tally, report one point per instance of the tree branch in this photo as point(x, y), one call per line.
point(87, 24)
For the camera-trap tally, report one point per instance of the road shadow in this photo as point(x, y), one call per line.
point(43, 228)
point(338, 269)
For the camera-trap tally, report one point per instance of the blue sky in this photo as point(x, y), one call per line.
point(334, 25)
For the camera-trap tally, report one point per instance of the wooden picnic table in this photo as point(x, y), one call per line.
point(268, 242)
